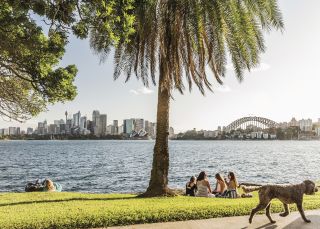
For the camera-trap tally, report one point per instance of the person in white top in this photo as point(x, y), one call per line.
point(203, 186)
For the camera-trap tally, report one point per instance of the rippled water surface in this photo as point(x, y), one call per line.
point(124, 166)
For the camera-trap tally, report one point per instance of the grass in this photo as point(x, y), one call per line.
point(78, 210)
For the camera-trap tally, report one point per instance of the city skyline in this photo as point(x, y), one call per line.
point(282, 87)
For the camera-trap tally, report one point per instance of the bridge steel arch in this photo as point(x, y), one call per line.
point(237, 123)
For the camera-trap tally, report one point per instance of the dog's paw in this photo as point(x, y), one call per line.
point(250, 220)
point(284, 214)
point(273, 221)
point(307, 221)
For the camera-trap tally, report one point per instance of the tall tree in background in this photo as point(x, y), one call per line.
point(178, 41)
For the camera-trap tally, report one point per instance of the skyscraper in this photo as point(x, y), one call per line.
point(115, 128)
point(76, 119)
point(95, 118)
point(102, 124)
point(128, 126)
point(83, 123)
point(138, 124)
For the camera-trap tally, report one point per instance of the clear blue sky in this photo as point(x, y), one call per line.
point(286, 84)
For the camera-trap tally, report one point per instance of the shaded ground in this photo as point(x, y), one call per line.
point(293, 221)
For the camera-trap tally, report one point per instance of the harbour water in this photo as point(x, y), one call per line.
point(124, 166)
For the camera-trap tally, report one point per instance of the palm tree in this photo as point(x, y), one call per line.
point(178, 43)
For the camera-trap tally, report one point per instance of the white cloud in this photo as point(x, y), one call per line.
point(141, 91)
point(145, 91)
point(223, 88)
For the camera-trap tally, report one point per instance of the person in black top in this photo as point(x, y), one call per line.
point(191, 187)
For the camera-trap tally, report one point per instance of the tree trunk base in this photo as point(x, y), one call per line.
point(167, 192)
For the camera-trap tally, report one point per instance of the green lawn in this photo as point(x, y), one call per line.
point(77, 210)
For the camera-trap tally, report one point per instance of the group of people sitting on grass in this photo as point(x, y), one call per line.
point(225, 188)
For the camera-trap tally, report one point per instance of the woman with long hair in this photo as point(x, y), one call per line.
point(232, 186)
point(49, 186)
point(203, 186)
point(221, 186)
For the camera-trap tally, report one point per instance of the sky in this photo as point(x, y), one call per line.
point(285, 85)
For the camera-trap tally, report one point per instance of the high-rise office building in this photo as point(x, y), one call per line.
point(83, 123)
point(115, 128)
point(102, 124)
point(12, 131)
point(138, 125)
point(29, 131)
point(95, 118)
point(128, 126)
point(76, 119)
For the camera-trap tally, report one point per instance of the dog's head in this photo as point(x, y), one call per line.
point(310, 187)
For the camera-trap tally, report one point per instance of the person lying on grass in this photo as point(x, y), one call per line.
point(49, 186)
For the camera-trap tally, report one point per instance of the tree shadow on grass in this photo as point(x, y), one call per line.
point(66, 200)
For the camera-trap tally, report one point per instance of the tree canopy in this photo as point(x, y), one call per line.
point(30, 75)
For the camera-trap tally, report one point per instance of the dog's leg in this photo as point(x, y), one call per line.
point(260, 207)
point(268, 213)
point(299, 206)
point(286, 210)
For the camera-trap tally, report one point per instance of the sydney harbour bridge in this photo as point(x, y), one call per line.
point(251, 121)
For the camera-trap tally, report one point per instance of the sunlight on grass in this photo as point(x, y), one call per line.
point(79, 210)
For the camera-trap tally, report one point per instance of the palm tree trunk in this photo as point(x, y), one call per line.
point(158, 184)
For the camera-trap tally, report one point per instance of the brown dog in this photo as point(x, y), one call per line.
point(287, 194)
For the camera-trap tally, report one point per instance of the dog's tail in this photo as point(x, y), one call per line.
point(250, 189)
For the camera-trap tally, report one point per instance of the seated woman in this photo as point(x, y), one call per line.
point(49, 186)
point(203, 186)
point(221, 186)
point(191, 187)
point(232, 186)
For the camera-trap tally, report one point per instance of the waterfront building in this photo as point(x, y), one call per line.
point(6, 132)
point(120, 130)
point(102, 128)
point(1, 132)
point(12, 131)
point(305, 125)
point(76, 119)
point(138, 125)
point(128, 126)
point(317, 131)
point(90, 126)
point(109, 130)
point(53, 129)
point(18, 131)
point(115, 129)
point(265, 136)
point(293, 123)
point(29, 131)
point(62, 128)
point(95, 118)
point(83, 123)
point(68, 126)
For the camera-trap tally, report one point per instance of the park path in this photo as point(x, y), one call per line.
point(293, 221)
